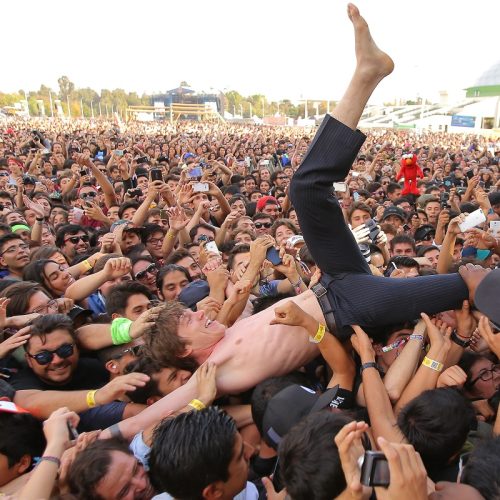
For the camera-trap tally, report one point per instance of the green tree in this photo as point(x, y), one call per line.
point(66, 87)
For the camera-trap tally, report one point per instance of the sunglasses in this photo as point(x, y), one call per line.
point(76, 239)
point(90, 194)
point(46, 357)
point(135, 351)
point(267, 225)
point(151, 269)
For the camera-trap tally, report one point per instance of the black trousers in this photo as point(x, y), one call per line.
point(356, 296)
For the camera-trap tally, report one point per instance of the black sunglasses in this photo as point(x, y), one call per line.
point(90, 194)
point(76, 239)
point(46, 357)
point(267, 225)
point(151, 269)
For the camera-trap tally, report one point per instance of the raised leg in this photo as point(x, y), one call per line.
point(330, 157)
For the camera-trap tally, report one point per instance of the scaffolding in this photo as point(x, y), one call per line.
point(175, 112)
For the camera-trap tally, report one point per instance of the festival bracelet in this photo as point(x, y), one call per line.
point(432, 364)
point(319, 334)
point(91, 399)
point(196, 404)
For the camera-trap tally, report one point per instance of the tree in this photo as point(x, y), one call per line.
point(66, 87)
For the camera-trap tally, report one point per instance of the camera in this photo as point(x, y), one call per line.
point(156, 174)
point(374, 229)
point(375, 469)
point(444, 199)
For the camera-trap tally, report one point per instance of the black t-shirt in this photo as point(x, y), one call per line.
point(89, 374)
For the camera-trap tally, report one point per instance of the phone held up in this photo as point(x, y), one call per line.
point(375, 469)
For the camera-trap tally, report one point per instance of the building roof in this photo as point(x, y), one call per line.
point(490, 77)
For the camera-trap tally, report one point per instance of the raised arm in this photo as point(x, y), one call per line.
point(382, 418)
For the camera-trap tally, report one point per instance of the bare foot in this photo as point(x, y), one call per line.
point(372, 63)
point(472, 275)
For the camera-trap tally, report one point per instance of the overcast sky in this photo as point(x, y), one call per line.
point(281, 48)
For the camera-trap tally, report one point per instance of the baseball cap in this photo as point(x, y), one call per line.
point(266, 200)
point(193, 293)
point(289, 407)
point(423, 231)
point(399, 212)
point(487, 296)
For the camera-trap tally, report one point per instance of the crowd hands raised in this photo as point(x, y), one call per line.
point(106, 227)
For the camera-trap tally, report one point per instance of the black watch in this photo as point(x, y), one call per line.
point(462, 343)
point(371, 364)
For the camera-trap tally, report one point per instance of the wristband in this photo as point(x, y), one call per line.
point(120, 331)
point(319, 334)
point(40, 219)
point(91, 398)
point(86, 265)
point(296, 285)
point(48, 458)
point(433, 365)
point(459, 341)
point(415, 336)
point(196, 404)
point(370, 364)
point(171, 236)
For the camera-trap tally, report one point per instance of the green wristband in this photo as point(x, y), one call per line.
point(120, 328)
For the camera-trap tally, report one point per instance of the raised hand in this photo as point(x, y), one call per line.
point(290, 314)
point(177, 218)
point(12, 343)
point(116, 268)
point(207, 384)
point(492, 339)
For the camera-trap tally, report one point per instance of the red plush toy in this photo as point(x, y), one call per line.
point(410, 171)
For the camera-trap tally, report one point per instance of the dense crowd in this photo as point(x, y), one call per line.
point(161, 336)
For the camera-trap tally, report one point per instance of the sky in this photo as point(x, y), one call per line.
point(284, 49)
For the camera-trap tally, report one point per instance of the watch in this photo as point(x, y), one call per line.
point(462, 343)
point(370, 364)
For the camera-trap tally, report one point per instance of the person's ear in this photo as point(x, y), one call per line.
point(24, 464)
point(116, 315)
point(29, 360)
point(112, 366)
point(187, 352)
point(153, 399)
point(213, 491)
point(2, 262)
point(160, 295)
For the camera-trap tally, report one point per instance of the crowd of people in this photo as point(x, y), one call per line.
point(164, 331)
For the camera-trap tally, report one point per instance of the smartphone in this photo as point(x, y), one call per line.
point(84, 171)
point(470, 174)
point(135, 192)
point(472, 220)
point(78, 214)
point(118, 152)
point(200, 187)
point(340, 187)
point(355, 174)
point(73, 434)
point(211, 247)
point(375, 469)
point(194, 173)
point(495, 228)
point(273, 256)
point(156, 174)
point(374, 229)
point(163, 215)
point(355, 196)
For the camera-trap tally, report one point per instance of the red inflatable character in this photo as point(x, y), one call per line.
point(410, 171)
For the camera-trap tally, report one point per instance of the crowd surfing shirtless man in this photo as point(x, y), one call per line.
point(266, 344)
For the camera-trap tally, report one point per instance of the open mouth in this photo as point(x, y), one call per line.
point(208, 323)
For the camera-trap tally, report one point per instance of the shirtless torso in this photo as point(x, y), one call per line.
point(251, 351)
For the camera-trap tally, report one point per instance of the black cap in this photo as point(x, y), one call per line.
point(423, 231)
point(399, 212)
point(487, 297)
point(289, 407)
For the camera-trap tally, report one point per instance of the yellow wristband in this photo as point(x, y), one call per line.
point(197, 405)
point(91, 398)
point(86, 265)
point(433, 365)
point(171, 235)
point(319, 334)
